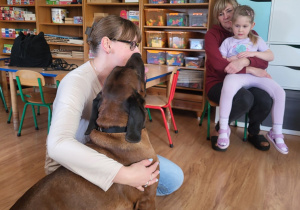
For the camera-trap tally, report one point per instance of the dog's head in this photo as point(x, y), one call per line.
point(124, 88)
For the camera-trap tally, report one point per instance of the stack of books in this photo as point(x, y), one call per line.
point(69, 20)
point(77, 54)
point(64, 39)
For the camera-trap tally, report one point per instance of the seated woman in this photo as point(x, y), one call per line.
point(255, 101)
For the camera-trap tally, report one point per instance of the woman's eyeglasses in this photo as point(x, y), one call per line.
point(133, 44)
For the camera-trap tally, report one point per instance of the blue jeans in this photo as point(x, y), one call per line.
point(170, 177)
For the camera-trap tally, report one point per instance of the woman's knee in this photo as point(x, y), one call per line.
point(171, 177)
point(243, 100)
point(261, 98)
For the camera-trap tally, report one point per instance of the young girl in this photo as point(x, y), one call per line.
point(245, 44)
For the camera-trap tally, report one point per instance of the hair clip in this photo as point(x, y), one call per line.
point(250, 13)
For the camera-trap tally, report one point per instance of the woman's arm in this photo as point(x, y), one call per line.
point(212, 44)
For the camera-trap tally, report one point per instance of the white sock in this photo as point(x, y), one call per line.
point(277, 129)
point(223, 125)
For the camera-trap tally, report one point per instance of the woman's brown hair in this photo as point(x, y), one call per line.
point(246, 11)
point(113, 27)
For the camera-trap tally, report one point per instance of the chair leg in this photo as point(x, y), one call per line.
point(245, 128)
point(235, 123)
point(9, 116)
point(208, 122)
point(203, 113)
point(38, 111)
point(173, 120)
point(149, 114)
point(166, 126)
point(34, 118)
point(3, 99)
point(49, 117)
point(22, 120)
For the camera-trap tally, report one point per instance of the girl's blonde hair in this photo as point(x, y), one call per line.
point(246, 11)
point(113, 27)
point(220, 5)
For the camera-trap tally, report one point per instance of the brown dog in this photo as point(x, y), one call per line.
point(117, 130)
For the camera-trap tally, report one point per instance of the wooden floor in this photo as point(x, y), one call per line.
point(241, 178)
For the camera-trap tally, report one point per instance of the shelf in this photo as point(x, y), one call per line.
point(61, 24)
point(18, 5)
point(177, 27)
point(187, 68)
point(79, 59)
point(60, 5)
point(182, 88)
point(8, 38)
point(18, 21)
point(65, 44)
point(113, 4)
point(193, 5)
point(185, 88)
point(173, 49)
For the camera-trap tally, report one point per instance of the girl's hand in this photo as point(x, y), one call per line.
point(138, 175)
point(257, 72)
point(236, 65)
point(246, 54)
point(232, 58)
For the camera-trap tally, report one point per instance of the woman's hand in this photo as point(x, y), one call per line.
point(257, 72)
point(236, 65)
point(138, 175)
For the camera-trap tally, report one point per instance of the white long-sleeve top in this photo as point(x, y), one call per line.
point(71, 113)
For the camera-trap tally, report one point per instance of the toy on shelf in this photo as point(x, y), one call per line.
point(175, 58)
point(156, 57)
point(177, 19)
point(156, 38)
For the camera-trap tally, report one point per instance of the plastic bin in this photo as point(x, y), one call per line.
point(156, 17)
point(192, 62)
point(156, 38)
point(177, 19)
point(198, 19)
point(196, 44)
point(177, 39)
point(156, 57)
point(175, 58)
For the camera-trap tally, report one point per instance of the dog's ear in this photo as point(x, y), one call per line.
point(136, 62)
point(96, 104)
point(136, 117)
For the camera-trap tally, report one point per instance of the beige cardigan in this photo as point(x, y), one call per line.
point(71, 113)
